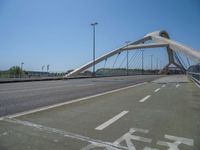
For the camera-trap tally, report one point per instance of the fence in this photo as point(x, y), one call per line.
point(194, 72)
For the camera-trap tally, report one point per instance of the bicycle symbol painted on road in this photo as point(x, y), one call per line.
point(127, 140)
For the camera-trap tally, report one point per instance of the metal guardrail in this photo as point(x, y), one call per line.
point(194, 73)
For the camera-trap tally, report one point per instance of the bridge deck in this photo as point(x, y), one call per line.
point(146, 116)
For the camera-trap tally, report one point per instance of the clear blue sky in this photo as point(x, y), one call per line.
point(58, 32)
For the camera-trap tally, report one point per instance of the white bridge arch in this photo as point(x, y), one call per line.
point(159, 38)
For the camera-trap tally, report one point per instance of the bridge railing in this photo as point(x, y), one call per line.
point(194, 72)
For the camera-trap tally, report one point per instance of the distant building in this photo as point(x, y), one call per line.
point(37, 74)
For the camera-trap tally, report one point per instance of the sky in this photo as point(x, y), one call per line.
point(58, 32)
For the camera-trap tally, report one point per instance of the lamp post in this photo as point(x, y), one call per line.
point(127, 66)
point(22, 63)
point(151, 62)
point(93, 25)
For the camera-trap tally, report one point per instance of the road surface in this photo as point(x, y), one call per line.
point(18, 97)
point(159, 115)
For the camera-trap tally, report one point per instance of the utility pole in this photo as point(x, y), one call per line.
point(127, 67)
point(93, 25)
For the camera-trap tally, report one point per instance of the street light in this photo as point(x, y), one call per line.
point(93, 25)
point(48, 68)
point(22, 63)
point(151, 62)
point(127, 67)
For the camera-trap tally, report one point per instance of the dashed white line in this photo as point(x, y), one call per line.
point(112, 120)
point(164, 85)
point(156, 90)
point(145, 98)
point(177, 85)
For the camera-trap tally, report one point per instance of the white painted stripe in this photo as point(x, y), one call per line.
point(164, 85)
point(145, 98)
point(156, 90)
point(63, 133)
point(177, 85)
point(70, 102)
point(112, 120)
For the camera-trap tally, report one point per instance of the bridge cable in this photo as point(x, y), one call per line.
point(179, 62)
point(122, 62)
point(115, 60)
point(105, 63)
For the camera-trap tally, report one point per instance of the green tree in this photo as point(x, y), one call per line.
point(15, 71)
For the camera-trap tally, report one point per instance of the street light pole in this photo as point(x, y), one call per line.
point(151, 62)
point(127, 66)
point(22, 68)
point(93, 25)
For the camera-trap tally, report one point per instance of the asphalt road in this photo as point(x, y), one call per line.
point(19, 97)
point(159, 115)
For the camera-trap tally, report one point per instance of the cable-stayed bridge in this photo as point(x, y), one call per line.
point(178, 55)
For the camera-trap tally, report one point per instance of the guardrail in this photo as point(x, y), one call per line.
point(194, 73)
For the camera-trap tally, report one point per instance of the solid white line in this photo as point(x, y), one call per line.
point(69, 102)
point(145, 98)
point(177, 85)
point(63, 133)
point(112, 120)
point(156, 90)
point(163, 85)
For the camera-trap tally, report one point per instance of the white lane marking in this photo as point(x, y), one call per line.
point(164, 85)
point(110, 121)
point(62, 133)
point(70, 102)
point(156, 90)
point(177, 85)
point(145, 98)
point(176, 143)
